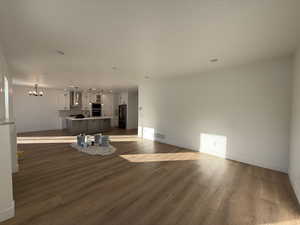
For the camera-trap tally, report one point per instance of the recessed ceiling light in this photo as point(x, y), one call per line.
point(60, 52)
point(214, 60)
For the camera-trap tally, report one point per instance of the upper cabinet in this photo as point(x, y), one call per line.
point(85, 101)
point(93, 97)
point(63, 101)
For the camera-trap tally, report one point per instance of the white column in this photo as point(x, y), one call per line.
point(7, 208)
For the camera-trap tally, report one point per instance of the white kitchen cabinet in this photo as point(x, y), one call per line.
point(63, 101)
point(107, 108)
point(85, 101)
point(93, 97)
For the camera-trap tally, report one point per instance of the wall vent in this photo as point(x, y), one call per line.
point(159, 136)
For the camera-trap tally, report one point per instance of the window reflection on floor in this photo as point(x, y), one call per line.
point(162, 157)
point(70, 139)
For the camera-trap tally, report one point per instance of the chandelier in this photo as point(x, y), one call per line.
point(35, 91)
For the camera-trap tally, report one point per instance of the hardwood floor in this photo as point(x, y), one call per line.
point(145, 183)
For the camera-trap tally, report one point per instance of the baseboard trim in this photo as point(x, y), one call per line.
point(229, 157)
point(247, 161)
point(8, 213)
point(15, 168)
point(295, 187)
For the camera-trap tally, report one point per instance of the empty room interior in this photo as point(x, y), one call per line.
point(150, 112)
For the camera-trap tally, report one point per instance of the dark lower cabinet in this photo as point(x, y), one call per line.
point(94, 126)
point(77, 127)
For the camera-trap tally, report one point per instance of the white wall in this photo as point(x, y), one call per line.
point(123, 98)
point(107, 109)
point(3, 72)
point(36, 113)
point(6, 192)
point(132, 115)
point(6, 151)
point(247, 106)
point(6, 113)
point(115, 120)
point(294, 168)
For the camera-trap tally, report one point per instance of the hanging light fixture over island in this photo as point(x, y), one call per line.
point(35, 91)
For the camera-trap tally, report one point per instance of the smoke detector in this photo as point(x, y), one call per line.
point(214, 60)
point(60, 52)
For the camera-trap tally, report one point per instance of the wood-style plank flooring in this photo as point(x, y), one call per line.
point(145, 183)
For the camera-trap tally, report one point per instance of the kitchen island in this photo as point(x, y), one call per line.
point(88, 125)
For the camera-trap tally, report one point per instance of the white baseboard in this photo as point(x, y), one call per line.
point(15, 168)
point(248, 161)
point(241, 159)
point(8, 213)
point(295, 187)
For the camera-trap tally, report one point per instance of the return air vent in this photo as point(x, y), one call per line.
point(159, 136)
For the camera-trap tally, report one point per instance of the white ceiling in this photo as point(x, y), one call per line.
point(140, 37)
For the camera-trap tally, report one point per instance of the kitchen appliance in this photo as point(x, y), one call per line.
point(122, 116)
point(96, 109)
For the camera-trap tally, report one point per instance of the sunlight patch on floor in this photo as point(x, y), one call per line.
point(70, 139)
point(46, 140)
point(123, 138)
point(162, 157)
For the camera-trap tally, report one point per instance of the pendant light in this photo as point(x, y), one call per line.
point(35, 91)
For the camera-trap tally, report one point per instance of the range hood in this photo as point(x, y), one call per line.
point(75, 99)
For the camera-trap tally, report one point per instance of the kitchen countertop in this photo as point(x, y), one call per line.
point(90, 118)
